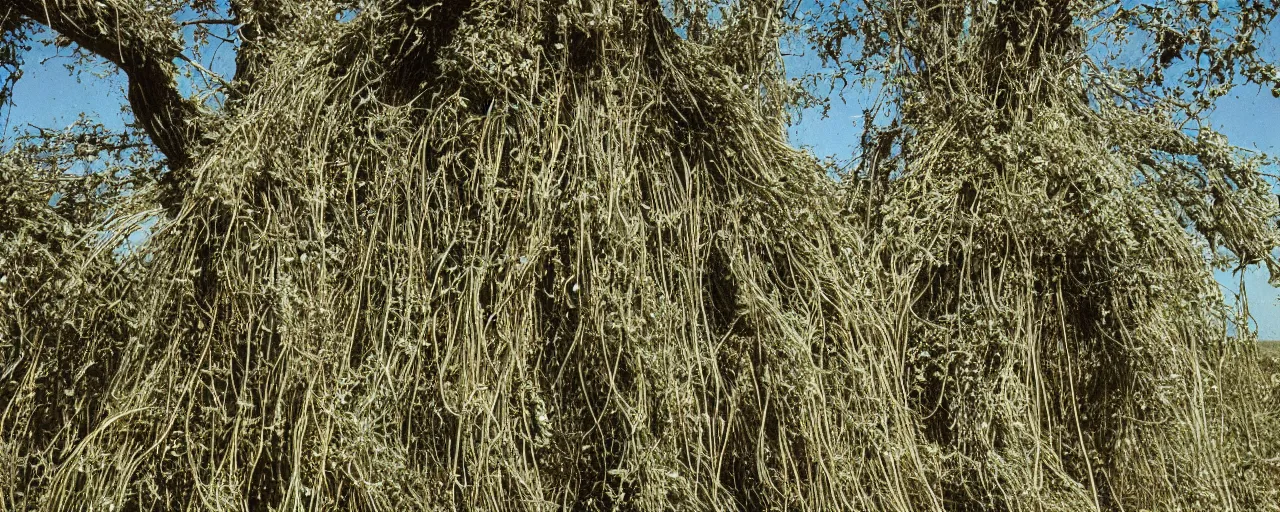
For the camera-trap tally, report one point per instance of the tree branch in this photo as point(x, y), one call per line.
point(260, 21)
point(188, 23)
point(140, 43)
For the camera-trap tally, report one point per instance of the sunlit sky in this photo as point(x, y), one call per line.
point(48, 96)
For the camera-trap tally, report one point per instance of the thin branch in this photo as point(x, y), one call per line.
point(209, 22)
point(216, 77)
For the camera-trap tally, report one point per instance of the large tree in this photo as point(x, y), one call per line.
point(539, 254)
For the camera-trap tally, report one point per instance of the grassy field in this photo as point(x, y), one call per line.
point(1271, 348)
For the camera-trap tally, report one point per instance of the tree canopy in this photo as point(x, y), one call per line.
point(544, 254)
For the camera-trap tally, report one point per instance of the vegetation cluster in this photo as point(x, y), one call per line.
point(546, 254)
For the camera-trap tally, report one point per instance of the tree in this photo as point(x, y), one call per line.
point(552, 254)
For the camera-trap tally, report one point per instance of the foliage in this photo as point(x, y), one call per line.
point(558, 254)
point(12, 45)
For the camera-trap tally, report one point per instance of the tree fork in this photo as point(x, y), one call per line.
point(145, 53)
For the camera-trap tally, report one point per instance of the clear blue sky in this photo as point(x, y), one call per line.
point(49, 97)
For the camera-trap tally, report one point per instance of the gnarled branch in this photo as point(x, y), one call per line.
point(142, 44)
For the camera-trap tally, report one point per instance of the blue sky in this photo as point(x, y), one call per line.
point(49, 96)
point(1252, 119)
